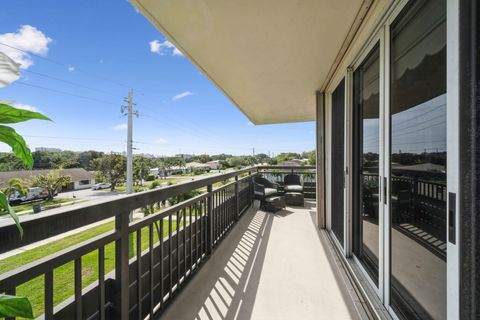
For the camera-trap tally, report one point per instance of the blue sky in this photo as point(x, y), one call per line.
point(106, 48)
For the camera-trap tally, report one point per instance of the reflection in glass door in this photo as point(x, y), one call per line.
point(418, 161)
point(366, 160)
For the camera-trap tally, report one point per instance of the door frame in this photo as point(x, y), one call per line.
point(328, 164)
point(378, 39)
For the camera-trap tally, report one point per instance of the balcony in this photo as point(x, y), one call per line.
point(213, 256)
point(270, 266)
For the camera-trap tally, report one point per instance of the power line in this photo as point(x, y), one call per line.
point(66, 66)
point(70, 82)
point(396, 129)
point(186, 130)
point(420, 129)
point(186, 125)
point(65, 93)
point(72, 138)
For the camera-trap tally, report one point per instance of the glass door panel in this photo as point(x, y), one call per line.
point(418, 161)
point(366, 162)
point(337, 160)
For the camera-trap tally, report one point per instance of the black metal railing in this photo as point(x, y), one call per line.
point(153, 257)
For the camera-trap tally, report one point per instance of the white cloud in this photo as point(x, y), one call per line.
point(25, 107)
point(182, 95)
point(71, 69)
point(164, 48)
point(28, 39)
point(120, 127)
point(160, 141)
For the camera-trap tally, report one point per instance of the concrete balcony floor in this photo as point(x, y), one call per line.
point(271, 266)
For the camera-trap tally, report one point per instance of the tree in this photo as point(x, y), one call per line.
point(310, 155)
point(262, 158)
point(10, 162)
point(234, 162)
point(141, 169)
point(249, 160)
point(70, 164)
point(14, 186)
point(287, 156)
point(85, 159)
point(203, 158)
point(111, 168)
point(52, 182)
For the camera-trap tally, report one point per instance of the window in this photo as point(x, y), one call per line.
point(84, 182)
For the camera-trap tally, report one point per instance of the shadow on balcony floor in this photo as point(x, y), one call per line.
point(270, 266)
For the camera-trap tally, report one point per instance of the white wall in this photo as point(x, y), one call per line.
point(78, 186)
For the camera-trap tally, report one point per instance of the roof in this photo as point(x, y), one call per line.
point(197, 165)
point(77, 174)
point(269, 57)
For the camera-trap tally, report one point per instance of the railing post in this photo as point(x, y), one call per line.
point(209, 219)
point(237, 200)
point(121, 267)
point(250, 187)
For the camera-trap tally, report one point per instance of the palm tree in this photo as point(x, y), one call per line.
point(14, 186)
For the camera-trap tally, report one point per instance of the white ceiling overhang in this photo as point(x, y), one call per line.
point(268, 56)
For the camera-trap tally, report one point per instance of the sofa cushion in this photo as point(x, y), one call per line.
point(270, 191)
point(293, 188)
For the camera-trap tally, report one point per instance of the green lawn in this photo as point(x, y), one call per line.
point(63, 276)
point(29, 206)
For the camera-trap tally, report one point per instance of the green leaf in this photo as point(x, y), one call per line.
point(18, 144)
point(12, 306)
point(6, 206)
point(9, 114)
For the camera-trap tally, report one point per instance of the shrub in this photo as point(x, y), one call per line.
point(184, 196)
point(150, 177)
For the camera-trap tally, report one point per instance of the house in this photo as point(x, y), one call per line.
point(214, 165)
point(168, 171)
point(197, 166)
point(81, 178)
point(294, 162)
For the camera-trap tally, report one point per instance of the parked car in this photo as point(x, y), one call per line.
point(35, 193)
point(100, 186)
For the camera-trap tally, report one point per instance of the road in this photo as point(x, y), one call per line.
point(89, 194)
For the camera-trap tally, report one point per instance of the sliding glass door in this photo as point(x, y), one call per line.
point(418, 161)
point(366, 163)
point(398, 157)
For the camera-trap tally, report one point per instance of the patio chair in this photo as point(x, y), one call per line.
point(293, 190)
point(292, 183)
point(268, 194)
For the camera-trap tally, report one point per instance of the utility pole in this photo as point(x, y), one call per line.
point(129, 113)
